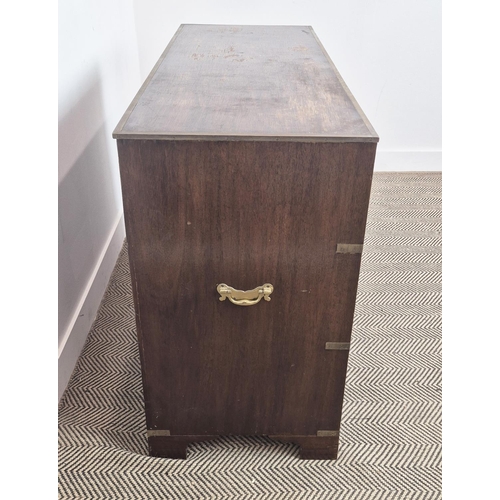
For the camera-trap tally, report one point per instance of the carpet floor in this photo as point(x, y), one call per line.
point(390, 439)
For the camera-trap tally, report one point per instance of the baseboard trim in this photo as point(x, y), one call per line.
point(74, 339)
point(408, 161)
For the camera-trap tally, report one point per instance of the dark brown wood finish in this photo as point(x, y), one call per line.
point(244, 213)
point(173, 446)
point(220, 193)
point(245, 82)
point(311, 447)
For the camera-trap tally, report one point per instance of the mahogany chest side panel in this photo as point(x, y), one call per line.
point(201, 213)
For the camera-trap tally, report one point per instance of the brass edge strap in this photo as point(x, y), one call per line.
point(349, 248)
point(337, 346)
point(327, 433)
point(157, 432)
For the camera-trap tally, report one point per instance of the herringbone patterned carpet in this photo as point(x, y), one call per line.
point(390, 440)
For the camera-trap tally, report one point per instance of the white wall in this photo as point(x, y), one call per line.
point(98, 77)
point(388, 52)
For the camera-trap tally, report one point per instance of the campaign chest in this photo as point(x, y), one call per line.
point(246, 168)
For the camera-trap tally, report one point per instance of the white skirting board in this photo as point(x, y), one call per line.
point(408, 161)
point(73, 341)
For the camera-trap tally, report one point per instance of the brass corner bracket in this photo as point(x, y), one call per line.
point(349, 248)
point(337, 346)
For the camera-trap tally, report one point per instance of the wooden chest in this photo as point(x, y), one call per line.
point(246, 167)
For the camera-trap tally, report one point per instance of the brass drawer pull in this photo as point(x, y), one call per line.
point(245, 298)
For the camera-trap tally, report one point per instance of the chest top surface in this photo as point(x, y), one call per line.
point(245, 83)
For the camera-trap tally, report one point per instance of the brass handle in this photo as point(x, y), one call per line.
point(245, 298)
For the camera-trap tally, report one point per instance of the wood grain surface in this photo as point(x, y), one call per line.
point(200, 213)
point(245, 82)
